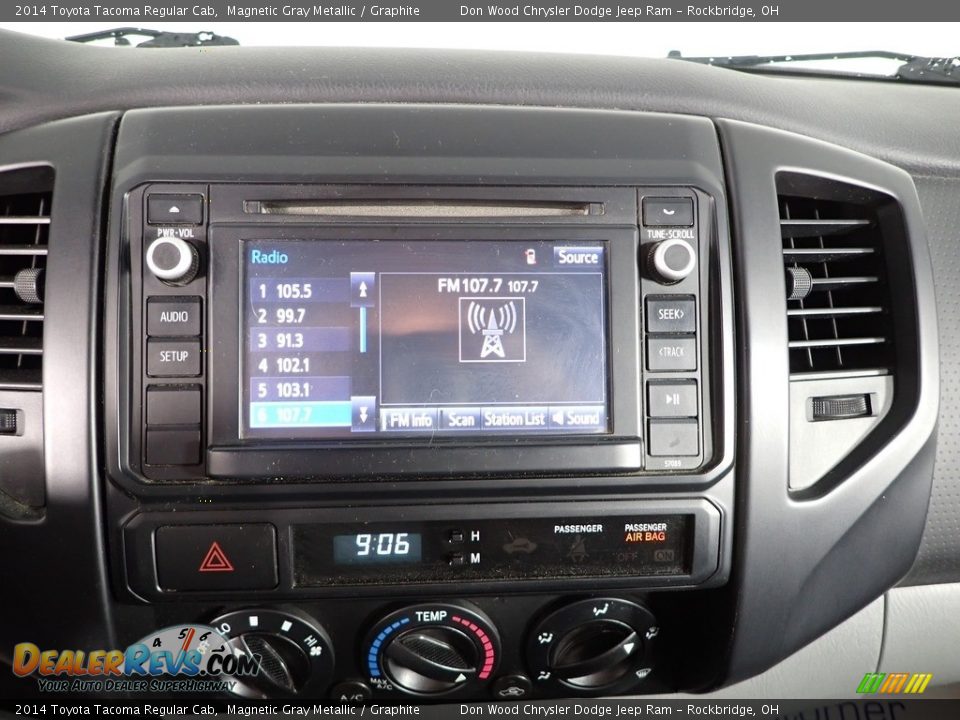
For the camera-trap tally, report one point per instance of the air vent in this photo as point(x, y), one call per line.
point(838, 298)
point(25, 199)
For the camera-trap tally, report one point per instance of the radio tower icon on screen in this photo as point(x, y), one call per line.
point(491, 339)
point(494, 322)
point(485, 319)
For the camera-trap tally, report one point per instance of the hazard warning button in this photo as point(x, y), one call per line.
point(217, 557)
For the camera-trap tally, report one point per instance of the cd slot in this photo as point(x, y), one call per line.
point(421, 209)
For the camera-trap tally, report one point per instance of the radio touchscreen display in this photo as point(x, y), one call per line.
point(364, 338)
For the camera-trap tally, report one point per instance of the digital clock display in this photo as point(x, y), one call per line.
point(377, 548)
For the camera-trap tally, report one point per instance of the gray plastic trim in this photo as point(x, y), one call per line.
point(805, 563)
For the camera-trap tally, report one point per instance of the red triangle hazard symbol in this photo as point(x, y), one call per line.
point(216, 560)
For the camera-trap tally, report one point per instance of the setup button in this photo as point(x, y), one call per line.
point(173, 358)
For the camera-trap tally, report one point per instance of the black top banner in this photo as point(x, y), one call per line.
point(875, 708)
point(124, 13)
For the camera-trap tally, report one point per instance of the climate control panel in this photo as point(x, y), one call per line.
point(448, 650)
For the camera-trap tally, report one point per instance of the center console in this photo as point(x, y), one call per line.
point(428, 403)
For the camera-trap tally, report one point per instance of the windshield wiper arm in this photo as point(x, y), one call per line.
point(913, 68)
point(157, 38)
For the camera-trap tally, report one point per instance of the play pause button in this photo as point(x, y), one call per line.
point(674, 399)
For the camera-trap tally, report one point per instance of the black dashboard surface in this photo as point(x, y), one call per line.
point(877, 118)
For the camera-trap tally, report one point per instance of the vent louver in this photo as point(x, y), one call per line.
point(838, 300)
point(25, 200)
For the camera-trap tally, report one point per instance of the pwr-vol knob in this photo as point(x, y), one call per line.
point(432, 649)
point(173, 260)
point(593, 646)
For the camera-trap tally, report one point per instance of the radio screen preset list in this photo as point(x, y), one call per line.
point(361, 337)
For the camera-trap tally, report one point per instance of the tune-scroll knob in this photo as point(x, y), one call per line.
point(605, 644)
point(173, 260)
point(293, 655)
point(672, 260)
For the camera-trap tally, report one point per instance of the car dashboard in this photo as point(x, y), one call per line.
point(449, 376)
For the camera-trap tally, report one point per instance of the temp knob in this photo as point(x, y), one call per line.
point(293, 654)
point(601, 645)
point(173, 260)
point(431, 660)
point(431, 649)
point(672, 260)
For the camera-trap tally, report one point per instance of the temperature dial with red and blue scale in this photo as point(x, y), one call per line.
point(432, 649)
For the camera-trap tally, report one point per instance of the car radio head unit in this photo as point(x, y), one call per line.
point(351, 332)
point(364, 338)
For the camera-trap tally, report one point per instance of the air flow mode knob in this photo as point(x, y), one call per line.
point(672, 260)
point(173, 260)
point(593, 646)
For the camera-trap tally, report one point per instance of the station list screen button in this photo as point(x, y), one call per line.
point(408, 419)
point(578, 417)
point(460, 418)
point(516, 418)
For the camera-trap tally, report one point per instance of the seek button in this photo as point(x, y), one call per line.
point(671, 314)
